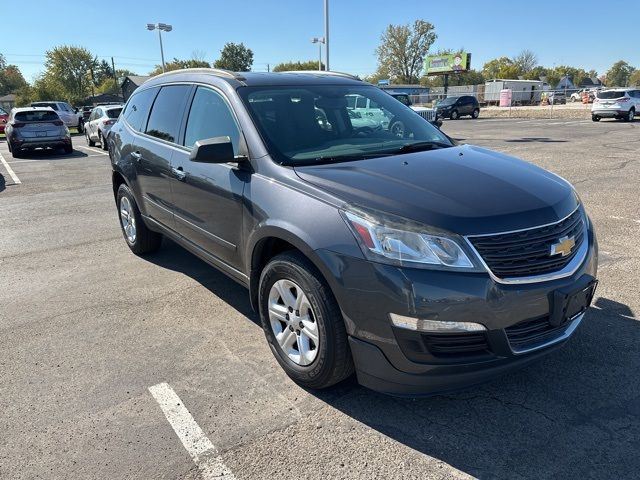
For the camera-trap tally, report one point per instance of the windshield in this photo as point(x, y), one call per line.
point(611, 94)
point(114, 112)
point(37, 116)
point(448, 101)
point(321, 123)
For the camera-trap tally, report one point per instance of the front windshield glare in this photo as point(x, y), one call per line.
point(317, 123)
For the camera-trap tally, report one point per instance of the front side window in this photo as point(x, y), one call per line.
point(164, 120)
point(314, 124)
point(210, 117)
point(137, 109)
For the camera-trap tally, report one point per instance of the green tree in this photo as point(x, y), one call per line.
point(501, 68)
point(472, 77)
point(11, 79)
point(235, 57)
point(402, 50)
point(67, 68)
point(619, 74)
point(296, 66)
point(177, 64)
point(634, 79)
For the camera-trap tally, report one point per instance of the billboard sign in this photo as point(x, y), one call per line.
point(453, 63)
point(384, 82)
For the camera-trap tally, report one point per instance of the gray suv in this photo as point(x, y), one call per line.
point(418, 263)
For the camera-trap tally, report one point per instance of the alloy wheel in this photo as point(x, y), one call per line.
point(127, 219)
point(293, 322)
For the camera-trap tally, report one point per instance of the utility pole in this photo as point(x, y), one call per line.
point(326, 34)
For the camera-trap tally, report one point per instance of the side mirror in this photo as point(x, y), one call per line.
point(213, 150)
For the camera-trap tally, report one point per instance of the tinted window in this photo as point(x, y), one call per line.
point(166, 113)
point(37, 116)
point(138, 108)
point(210, 117)
point(361, 102)
point(45, 104)
point(113, 112)
point(2, 112)
point(610, 94)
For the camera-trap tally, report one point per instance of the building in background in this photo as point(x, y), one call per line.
point(130, 83)
point(7, 102)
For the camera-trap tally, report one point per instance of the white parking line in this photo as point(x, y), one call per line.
point(199, 447)
point(101, 152)
point(12, 174)
point(615, 217)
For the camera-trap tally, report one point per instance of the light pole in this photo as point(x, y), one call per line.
point(326, 34)
point(160, 27)
point(319, 41)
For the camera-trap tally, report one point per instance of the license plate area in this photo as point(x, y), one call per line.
point(567, 304)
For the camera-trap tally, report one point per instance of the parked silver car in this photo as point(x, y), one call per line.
point(36, 127)
point(99, 124)
point(71, 117)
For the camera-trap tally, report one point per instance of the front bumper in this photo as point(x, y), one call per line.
point(405, 362)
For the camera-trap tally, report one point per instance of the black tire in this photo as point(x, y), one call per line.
point(454, 115)
point(333, 362)
point(631, 115)
point(475, 113)
point(90, 142)
point(16, 152)
point(145, 241)
point(397, 128)
point(68, 149)
point(595, 118)
point(103, 141)
point(80, 126)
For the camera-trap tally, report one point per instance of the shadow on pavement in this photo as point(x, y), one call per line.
point(574, 414)
point(50, 155)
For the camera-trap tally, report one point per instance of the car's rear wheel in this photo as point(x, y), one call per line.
point(454, 115)
point(90, 142)
point(595, 118)
point(103, 142)
point(303, 323)
point(397, 128)
point(68, 149)
point(475, 113)
point(631, 115)
point(80, 126)
point(140, 239)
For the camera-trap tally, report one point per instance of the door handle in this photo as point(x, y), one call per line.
point(137, 156)
point(179, 173)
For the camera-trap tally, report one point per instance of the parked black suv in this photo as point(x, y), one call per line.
point(456, 107)
point(422, 264)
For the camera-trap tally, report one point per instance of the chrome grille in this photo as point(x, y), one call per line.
point(528, 252)
point(429, 115)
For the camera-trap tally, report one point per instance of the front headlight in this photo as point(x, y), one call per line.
point(386, 241)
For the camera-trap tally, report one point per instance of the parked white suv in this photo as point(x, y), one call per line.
point(621, 103)
point(99, 123)
point(69, 115)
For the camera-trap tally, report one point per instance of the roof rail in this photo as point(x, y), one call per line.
point(217, 71)
point(325, 72)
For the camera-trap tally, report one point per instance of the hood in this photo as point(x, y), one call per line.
point(464, 189)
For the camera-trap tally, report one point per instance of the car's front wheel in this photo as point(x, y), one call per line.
point(139, 238)
point(397, 128)
point(454, 115)
point(303, 323)
point(80, 126)
point(595, 118)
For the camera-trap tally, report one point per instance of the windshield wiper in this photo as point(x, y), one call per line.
point(344, 158)
point(421, 146)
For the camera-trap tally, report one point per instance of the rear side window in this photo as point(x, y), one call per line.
point(138, 107)
point(166, 113)
point(37, 116)
point(210, 117)
point(610, 94)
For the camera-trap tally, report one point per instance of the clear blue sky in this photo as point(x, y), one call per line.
point(280, 30)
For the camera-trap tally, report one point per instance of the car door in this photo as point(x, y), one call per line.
point(207, 197)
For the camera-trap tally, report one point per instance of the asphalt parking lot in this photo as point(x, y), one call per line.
point(87, 328)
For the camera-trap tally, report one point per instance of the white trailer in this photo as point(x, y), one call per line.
point(524, 92)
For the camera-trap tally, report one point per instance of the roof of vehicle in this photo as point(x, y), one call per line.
point(47, 101)
point(393, 92)
point(31, 109)
point(261, 78)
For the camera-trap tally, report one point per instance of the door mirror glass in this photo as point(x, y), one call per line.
point(213, 150)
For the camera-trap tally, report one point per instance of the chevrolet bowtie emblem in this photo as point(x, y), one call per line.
point(563, 247)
